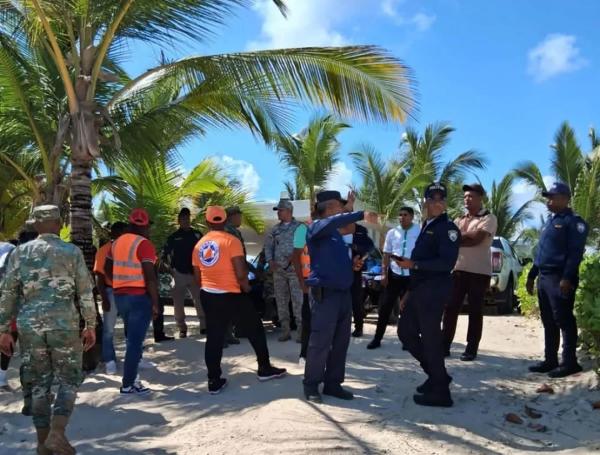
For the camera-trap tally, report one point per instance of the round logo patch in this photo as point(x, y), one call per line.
point(580, 228)
point(209, 253)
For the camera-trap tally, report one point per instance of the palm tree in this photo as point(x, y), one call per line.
point(84, 40)
point(30, 107)
point(386, 186)
point(311, 154)
point(500, 203)
point(424, 154)
point(159, 187)
point(577, 169)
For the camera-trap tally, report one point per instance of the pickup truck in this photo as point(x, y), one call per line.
point(506, 268)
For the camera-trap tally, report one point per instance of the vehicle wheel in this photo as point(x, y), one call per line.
point(507, 298)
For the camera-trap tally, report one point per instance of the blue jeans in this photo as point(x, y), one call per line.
point(108, 329)
point(136, 311)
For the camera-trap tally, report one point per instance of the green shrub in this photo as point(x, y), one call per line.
point(527, 303)
point(587, 307)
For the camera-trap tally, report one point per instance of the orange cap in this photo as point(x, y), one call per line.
point(215, 214)
point(139, 217)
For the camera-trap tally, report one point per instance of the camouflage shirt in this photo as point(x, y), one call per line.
point(44, 279)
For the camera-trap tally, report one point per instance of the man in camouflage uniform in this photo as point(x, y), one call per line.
point(279, 251)
point(44, 279)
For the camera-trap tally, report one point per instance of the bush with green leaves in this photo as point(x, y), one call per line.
point(587, 307)
point(527, 303)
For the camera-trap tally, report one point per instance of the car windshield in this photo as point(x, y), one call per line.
point(497, 244)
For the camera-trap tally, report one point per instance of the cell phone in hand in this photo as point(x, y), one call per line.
point(397, 258)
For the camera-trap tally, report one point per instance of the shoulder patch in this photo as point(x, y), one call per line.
point(453, 235)
point(581, 227)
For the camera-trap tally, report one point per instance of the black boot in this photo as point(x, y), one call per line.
point(439, 398)
point(358, 331)
point(543, 367)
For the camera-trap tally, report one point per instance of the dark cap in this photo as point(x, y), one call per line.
point(558, 188)
point(325, 196)
point(234, 210)
point(435, 187)
point(284, 204)
point(475, 187)
point(184, 212)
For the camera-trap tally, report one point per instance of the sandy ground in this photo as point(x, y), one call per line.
point(180, 417)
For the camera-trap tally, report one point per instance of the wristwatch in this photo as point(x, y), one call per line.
point(415, 266)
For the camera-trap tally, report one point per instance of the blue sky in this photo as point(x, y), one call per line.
point(504, 73)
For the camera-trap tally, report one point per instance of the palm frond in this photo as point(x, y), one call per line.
point(362, 82)
point(531, 173)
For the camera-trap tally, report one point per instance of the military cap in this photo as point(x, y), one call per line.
point(45, 213)
point(284, 204)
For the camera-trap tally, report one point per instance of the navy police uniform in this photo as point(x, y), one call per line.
point(559, 253)
point(361, 245)
point(330, 281)
point(434, 256)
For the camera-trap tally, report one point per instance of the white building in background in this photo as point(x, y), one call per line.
point(255, 242)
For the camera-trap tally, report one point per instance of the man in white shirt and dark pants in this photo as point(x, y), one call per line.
point(399, 241)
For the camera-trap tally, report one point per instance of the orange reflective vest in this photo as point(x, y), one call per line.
point(305, 261)
point(127, 268)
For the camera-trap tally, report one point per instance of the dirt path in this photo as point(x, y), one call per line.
point(252, 417)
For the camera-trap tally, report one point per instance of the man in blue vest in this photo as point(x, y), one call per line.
point(556, 266)
point(430, 264)
point(330, 281)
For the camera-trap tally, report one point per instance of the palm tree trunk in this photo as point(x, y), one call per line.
point(81, 208)
point(84, 149)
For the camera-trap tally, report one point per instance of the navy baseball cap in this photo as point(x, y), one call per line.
point(435, 187)
point(324, 196)
point(557, 188)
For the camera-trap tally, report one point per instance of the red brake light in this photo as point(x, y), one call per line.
point(496, 262)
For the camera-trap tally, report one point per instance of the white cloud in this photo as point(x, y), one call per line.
point(340, 178)
point(389, 7)
point(421, 21)
point(241, 170)
point(556, 54)
point(309, 23)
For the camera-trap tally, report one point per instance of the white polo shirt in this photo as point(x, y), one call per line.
point(401, 242)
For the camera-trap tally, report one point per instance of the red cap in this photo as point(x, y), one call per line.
point(215, 214)
point(139, 217)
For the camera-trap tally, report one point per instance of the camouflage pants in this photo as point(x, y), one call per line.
point(53, 356)
point(288, 288)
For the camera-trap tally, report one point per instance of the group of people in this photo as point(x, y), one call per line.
point(429, 269)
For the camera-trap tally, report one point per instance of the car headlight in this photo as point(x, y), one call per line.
point(494, 281)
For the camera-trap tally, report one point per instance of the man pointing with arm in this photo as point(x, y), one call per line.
point(330, 299)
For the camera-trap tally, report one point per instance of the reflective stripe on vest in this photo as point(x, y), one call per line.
point(127, 268)
point(305, 261)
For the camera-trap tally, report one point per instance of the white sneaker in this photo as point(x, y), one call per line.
point(3, 380)
point(146, 364)
point(111, 367)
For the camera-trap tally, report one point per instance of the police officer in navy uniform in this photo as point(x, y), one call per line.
point(330, 281)
point(431, 264)
point(556, 266)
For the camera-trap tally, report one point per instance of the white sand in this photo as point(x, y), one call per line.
point(252, 417)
